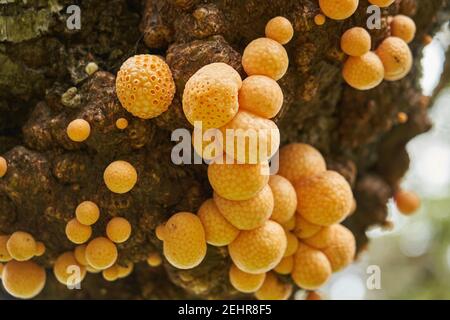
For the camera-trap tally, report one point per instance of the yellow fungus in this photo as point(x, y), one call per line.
point(356, 42)
point(364, 72)
point(338, 9)
point(118, 229)
point(403, 27)
point(67, 270)
point(21, 246)
point(78, 233)
point(80, 254)
point(40, 249)
point(279, 29)
point(3, 167)
point(396, 57)
point(274, 289)
point(407, 201)
point(245, 282)
point(111, 273)
point(78, 130)
point(23, 280)
point(305, 229)
point(285, 199)
point(319, 19)
point(87, 213)
point(4, 254)
point(285, 266)
point(101, 253)
point(120, 177)
point(154, 259)
point(159, 231)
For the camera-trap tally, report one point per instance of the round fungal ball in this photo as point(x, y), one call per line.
point(125, 271)
point(324, 199)
point(319, 19)
point(250, 138)
point(118, 229)
point(234, 181)
point(265, 57)
point(154, 259)
point(403, 27)
point(4, 254)
point(111, 274)
point(338, 9)
point(184, 241)
point(121, 123)
point(247, 214)
point(382, 3)
point(40, 249)
point(279, 29)
point(101, 253)
point(160, 231)
point(3, 167)
point(211, 96)
point(273, 289)
point(285, 266)
point(87, 213)
point(284, 197)
point(78, 130)
point(207, 144)
point(356, 42)
point(67, 270)
point(311, 268)
point(342, 247)
point(245, 282)
point(299, 160)
point(80, 255)
point(261, 96)
point(78, 233)
point(259, 250)
point(120, 177)
point(23, 280)
point(396, 57)
point(218, 231)
point(305, 229)
point(21, 246)
point(364, 72)
point(407, 202)
point(292, 244)
point(145, 86)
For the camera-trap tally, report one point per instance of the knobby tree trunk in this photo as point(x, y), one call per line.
point(48, 175)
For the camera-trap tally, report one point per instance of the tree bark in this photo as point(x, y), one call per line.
point(43, 86)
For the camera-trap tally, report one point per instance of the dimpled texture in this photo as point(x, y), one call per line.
point(292, 244)
point(364, 72)
point(218, 231)
point(403, 27)
point(23, 280)
point(101, 253)
point(118, 229)
point(120, 177)
point(285, 199)
point(78, 130)
point(407, 202)
point(184, 241)
point(234, 181)
point(324, 199)
point(78, 233)
point(247, 214)
point(264, 56)
point(273, 289)
point(299, 160)
point(21, 246)
point(250, 138)
point(87, 213)
point(279, 29)
point(341, 250)
point(285, 266)
point(261, 95)
point(222, 69)
point(305, 229)
point(4, 254)
point(3, 167)
point(245, 282)
point(338, 9)
point(64, 267)
point(356, 42)
point(382, 3)
point(396, 57)
point(145, 86)
point(259, 250)
point(211, 97)
point(311, 268)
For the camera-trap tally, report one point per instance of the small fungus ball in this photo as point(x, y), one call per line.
point(338, 9)
point(402, 117)
point(396, 57)
point(305, 229)
point(21, 246)
point(101, 253)
point(259, 250)
point(247, 214)
point(80, 254)
point(111, 274)
point(234, 181)
point(4, 254)
point(118, 229)
point(212, 97)
point(78, 130)
point(285, 266)
point(382, 3)
point(207, 144)
point(273, 289)
point(121, 123)
point(319, 19)
point(78, 233)
point(87, 213)
point(261, 95)
point(67, 270)
point(356, 42)
point(285, 199)
point(184, 240)
point(279, 29)
point(324, 199)
point(407, 202)
point(218, 231)
point(125, 271)
point(364, 72)
point(245, 282)
point(145, 86)
point(154, 259)
point(3, 167)
point(160, 231)
point(264, 56)
point(292, 244)
point(299, 160)
point(23, 280)
point(120, 177)
point(403, 27)
point(40, 249)
point(342, 249)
